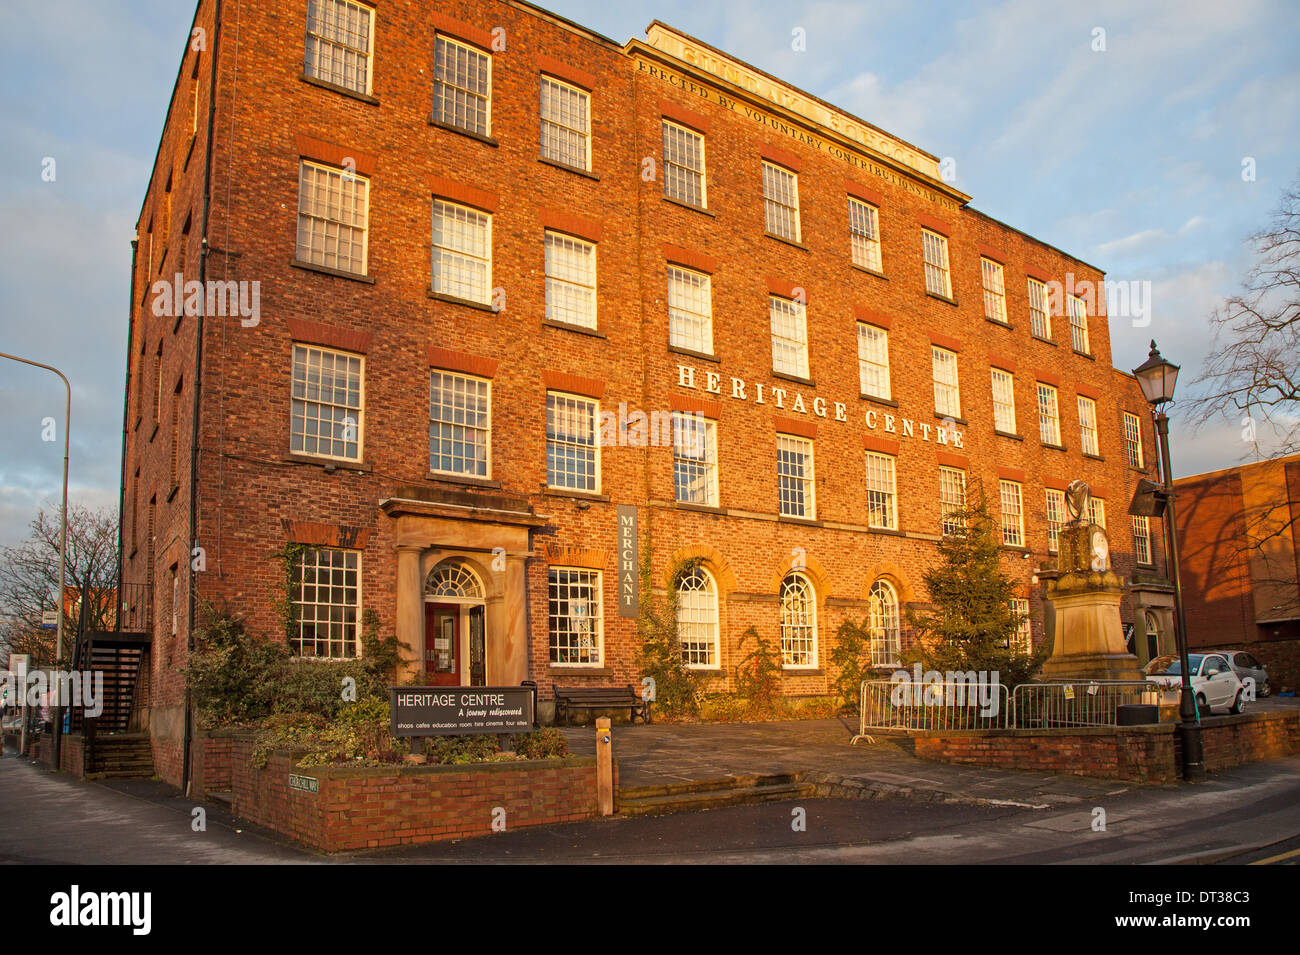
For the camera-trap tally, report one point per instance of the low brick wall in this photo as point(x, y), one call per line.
point(1148, 755)
point(370, 807)
point(210, 761)
point(71, 753)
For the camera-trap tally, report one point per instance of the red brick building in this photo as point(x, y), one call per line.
point(1239, 547)
point(446, 248)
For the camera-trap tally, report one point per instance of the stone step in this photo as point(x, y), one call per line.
point(709, 799)
point(707, 785)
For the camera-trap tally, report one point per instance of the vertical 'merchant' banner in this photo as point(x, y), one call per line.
point(628, 582)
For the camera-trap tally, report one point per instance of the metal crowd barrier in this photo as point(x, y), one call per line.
point(886, 705)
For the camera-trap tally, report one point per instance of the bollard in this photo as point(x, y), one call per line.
point(604, 767)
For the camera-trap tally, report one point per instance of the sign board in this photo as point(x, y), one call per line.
point(50, 619)
point(629, 585)
point(306, 784)
point(459, 710)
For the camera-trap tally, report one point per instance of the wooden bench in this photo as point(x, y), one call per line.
point(570, 698)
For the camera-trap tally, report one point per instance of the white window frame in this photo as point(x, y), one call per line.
point(698, 622)
point(993, 279)
point(455, 427)
point(1079, 325)
point(781, 202)
point(1097, 511)
point(582, 577)
point(695, 456)
point(794, 444)
point(789, 323)
point(1132, 439)
point(934, 254)
point(882, 491)
point(325, 219)
point(1003, 384)
point(947, 393)
point(676, 172)
point(333, 44)
point(1040, 319)
point(560, 122)
point(1055, 518)
point(798, 631)
point(452, 260)
point(1142, 552)
point(884, 624)
point(301, 604)
point(356, 412)
point(1011, 497)
point(689, 328)
point(864, 235)
point(574, 401)
point(561, 251)
point(873, 360)
point(441, 42)
point(952, 500)
point(1049, 414)
point(1088, 425)
point(1024, 635)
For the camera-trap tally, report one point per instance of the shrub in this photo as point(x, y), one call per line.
point(758, 677)
point(546, 743)
point(676, 687)
point(851, 659)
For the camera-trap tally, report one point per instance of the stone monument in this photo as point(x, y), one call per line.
point(1085, 595)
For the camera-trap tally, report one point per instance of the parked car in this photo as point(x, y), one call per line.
point(1245, 665)
point(1214, 681)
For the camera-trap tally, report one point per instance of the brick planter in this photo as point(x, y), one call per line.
point(370, 807)
point(1141, 754)
point(210, 761)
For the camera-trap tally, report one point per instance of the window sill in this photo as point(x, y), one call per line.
point(585, 669)
point(567, 168)
point(457, 300)
point(579, 329)
point(998, 322)
point(1095, 457)
point(134, 551)
point(176, 327)
point(946, 299)
point(802, 671)
point(1045, 341)
point(1054, 447)
point(189, 151)
point(467, 133)
point(803, 521)
point(1008, 434)
point(692, 207)
point(701, 508)
point(463, 479)
point(795, 378)
point(1141, 471)
point(780, 238)
point(678, 349)
point(172, 493)
point(872, 272)
point(886, 531)
point(327, 464)
point(1012, 549)
point(1084, 354)
point(154, 433)
point(326, 270)
point(887, 402)
point(576, 495)
point(136, 426)
point(947, 417)
point(334, 87)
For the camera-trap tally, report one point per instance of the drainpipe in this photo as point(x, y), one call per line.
point(126, 412)
point(197, 379)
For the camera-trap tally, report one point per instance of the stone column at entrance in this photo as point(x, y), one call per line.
point(410, 611)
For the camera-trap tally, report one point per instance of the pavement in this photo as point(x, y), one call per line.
point(665, 753)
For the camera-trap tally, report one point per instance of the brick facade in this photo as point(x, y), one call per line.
point(244, 495)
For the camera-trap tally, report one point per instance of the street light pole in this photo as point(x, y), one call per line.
point(1189, 726)
point(1157, 378)
point(63, 550)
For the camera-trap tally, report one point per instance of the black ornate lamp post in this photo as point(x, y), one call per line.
point(1157, 378)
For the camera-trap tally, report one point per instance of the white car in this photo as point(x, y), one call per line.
point(1214, 681)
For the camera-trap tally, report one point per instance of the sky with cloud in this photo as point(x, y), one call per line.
point(1129, 158)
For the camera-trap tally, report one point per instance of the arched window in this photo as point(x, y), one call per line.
point(697, 618)
point(798, 622)
point(882, 622)
point(453, 579)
